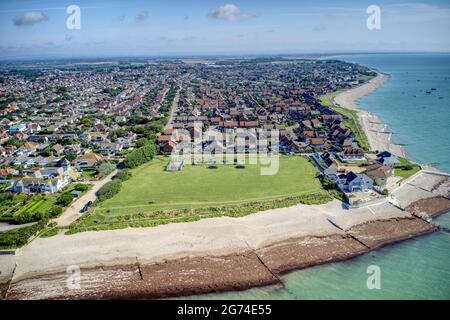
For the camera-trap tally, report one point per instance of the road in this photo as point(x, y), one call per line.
point(73, 212)
point(172, 109)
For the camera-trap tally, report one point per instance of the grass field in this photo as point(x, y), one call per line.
point(350, 118)
point(157, 196)
point(197, 186)
point(402, 170)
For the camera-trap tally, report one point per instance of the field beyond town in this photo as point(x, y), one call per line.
point(153, 194)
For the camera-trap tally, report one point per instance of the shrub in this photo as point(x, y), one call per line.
point(123, 175)
point(64, 199)
point(27, 217)
point(18, 237)
point(109, 190)
point(81, 187)
point(55, 211)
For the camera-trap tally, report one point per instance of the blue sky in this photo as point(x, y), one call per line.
point(30, 28)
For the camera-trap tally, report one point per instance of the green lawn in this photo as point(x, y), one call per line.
point(157, 196)
point(196, 186)
point(350, 118)
point(403, 171)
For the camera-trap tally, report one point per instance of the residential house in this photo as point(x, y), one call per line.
point(39, 185)
point(354, 182)
point(379, 173)
point(388, 159)
point(88, 160)
point(352, 153)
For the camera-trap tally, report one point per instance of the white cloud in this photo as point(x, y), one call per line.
point(229, 12)
point(142, 15)
point(29, 18)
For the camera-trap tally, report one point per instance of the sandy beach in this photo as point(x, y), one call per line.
point(185, 258)
point(375, 130)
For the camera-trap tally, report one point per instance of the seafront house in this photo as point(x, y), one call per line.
point(46, 180)
point(353, 182)
point(352, 153)
point(379, 173)
point(39, 185)
point(388, 159)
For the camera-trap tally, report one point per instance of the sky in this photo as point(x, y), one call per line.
point(38, 29)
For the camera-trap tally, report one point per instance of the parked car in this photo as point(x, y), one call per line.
point(86, 207)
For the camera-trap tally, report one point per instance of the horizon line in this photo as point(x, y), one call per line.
point(212, 55)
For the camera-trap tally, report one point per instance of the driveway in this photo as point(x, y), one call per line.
point(73, 212)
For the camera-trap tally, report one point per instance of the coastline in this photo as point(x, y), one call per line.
point(185, 258)
point(375, 130)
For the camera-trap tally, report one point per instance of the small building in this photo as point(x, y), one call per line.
point(379, 173)
point(17, 128)
point(388, 159)
point(88, 160)
point(352, 153)
point(175, 165)
point(354, 182)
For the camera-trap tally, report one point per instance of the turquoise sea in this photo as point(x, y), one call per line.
point(413, 269)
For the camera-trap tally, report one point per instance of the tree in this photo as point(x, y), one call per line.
point(105, 168)
point(86, 122)
point(46, 152)
point(12, 142)
point(70, 157)
point(141, 142)
point(140, 156)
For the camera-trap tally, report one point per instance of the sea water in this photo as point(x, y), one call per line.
point(413, 269)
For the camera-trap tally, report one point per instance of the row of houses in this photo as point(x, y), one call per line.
point(372, 176)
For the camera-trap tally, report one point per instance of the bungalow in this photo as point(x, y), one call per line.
point(379, 173)
point(288, 145)
point(169, 146)
point(57, 149)
point(109, 148)
point(354, 182)
point(4, 173)
point(318, 143)
point(88, 160)
point(327, 159)
point(163, 139)
point(17, 128)
point(388, 159)
point(33, 127)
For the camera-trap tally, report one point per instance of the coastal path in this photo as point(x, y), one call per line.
point(73, 212)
